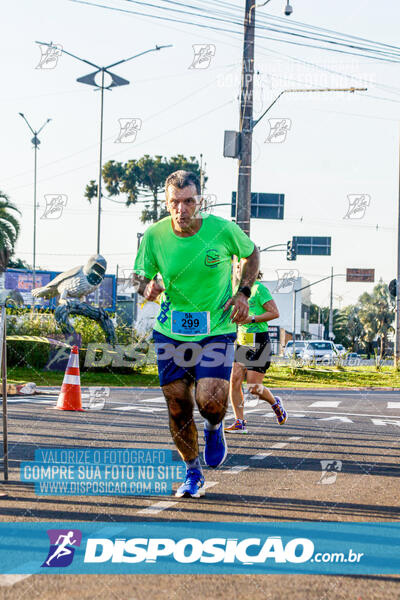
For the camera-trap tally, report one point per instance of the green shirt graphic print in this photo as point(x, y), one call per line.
point(196, 271)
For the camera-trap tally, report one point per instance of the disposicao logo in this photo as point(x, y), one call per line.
point(190, 550)
point(212, 258)
point(61, 551)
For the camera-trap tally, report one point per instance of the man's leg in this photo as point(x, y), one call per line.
point(236, 396)
point(254, 383)
point(256, 387)
point(212, 401)
point(235, 389)
point(179, 396)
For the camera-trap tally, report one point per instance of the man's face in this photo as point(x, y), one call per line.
point(183, 206)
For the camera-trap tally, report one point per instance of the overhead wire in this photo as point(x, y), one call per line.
point(288, 28)
point(388, 58)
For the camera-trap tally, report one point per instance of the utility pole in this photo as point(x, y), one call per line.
point(35, 141)
point(397, 341)
point(201, 175)
point(330, 334)
point(243, 199)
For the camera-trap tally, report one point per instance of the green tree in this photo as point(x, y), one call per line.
point(18, 263)
point(9, 229)
point(140, 178)
point(338, 321)
point(377, 315)
point(353, 327)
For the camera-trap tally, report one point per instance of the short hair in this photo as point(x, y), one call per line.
point(260, 275)
point(181, 179)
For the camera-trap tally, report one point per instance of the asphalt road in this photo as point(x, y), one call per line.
point(273, 474)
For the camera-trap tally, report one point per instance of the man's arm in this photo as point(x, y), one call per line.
point(239, 301)
point(250, 269)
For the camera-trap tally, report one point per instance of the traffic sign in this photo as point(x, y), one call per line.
point(360, 275)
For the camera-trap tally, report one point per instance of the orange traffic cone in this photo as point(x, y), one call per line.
point(70, 395)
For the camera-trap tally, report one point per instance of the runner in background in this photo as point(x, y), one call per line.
point(252, 357)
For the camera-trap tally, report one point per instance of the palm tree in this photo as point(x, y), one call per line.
point(9, 229)
point(377, 315)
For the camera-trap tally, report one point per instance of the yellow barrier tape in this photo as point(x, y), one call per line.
point(37, 338)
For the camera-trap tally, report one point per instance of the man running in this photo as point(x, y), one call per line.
point(252, 357)
point(195, 330)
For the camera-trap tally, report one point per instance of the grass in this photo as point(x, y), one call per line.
point(277, 376)
point(320, 377)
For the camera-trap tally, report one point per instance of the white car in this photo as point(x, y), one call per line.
point(319, 351)
point(340, 349)
point(300, 345)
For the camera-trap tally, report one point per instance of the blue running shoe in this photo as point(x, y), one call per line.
point(194, 485)
point(215, 449)
point(279, 411)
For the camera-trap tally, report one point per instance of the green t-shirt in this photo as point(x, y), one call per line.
point(196, 272)
point(259, 296)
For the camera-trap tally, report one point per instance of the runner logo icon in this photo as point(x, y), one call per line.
point(61, 552)
point(212, 258)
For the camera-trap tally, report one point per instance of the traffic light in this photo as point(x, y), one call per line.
point(393, 288)
point(291, 251)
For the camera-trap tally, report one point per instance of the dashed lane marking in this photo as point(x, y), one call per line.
point(158, 507)
point(260, 455)
point(327, 412)
point(278, 446)
point(236, 469)
point(157, 400)
point(9, 580)
point(325, 404)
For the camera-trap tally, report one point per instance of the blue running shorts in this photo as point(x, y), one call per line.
point(208, 357)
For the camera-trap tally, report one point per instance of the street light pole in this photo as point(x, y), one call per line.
point(35, 141)
point(116, 81)
point(246, 125)
point(100, 163)
point(397, 340)
point(330, 331)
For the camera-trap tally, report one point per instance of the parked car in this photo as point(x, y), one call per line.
point(340, 349)
point(353, 359)
point(319, 351)
point(300, 345)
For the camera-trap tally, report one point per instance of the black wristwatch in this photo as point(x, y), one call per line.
point(245, 290)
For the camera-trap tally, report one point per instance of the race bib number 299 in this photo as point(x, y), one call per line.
point(193, 323)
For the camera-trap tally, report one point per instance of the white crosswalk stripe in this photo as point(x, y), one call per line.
point(325, 404)
point(260, 455)
point(236, 469)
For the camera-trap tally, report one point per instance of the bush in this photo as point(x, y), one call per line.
point(29, 353)
point(35, 354)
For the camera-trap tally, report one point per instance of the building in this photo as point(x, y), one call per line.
point(282, 290)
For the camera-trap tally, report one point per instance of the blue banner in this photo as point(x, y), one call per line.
point(102, 472)
point(200, 548)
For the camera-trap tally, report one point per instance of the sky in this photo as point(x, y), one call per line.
point(338, 145)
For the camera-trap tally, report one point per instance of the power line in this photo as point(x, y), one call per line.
point(387, 58)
